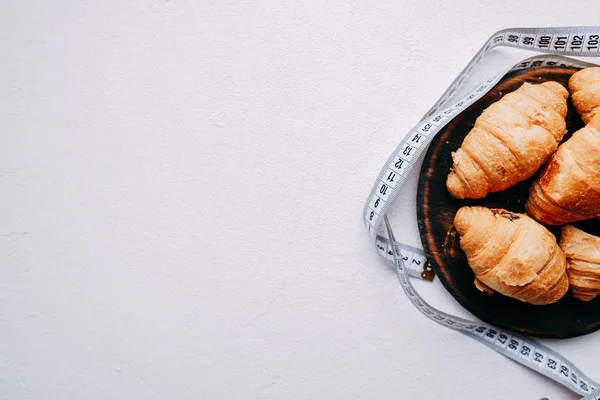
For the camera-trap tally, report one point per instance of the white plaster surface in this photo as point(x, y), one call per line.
point(181, 191)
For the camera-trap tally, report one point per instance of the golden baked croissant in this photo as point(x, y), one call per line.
point(568, 188)
point(583, 262)
point(512, 254)
point(585, 90)
point(511, 139)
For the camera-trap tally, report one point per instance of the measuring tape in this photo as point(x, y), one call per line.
point(411, 261)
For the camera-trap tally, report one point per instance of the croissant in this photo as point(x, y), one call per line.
point(510, 140)
point(568, 188)
point(585, 89)
point(583, 262)
point(512, 254)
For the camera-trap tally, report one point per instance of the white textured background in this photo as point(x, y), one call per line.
point(181, 186)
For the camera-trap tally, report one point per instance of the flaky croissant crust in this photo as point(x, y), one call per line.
point(583, 262)
point(584, 86)
point(568, 188)
point(510, 140)
point(512, 254)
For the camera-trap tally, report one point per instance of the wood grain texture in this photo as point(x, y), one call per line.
point(436, 209)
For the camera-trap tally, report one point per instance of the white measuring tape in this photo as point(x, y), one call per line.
point(411, 261)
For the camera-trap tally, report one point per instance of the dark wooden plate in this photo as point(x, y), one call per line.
point(436, 209)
